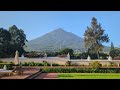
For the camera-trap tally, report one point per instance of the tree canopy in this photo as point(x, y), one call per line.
point(18, 39)
point(5, 38)
point(94, 37)
point(11, 40)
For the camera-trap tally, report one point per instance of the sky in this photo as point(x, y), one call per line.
point(38, 23)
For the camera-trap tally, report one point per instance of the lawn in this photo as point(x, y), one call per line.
point(88, 75)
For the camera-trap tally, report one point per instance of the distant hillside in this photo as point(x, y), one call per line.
point(55, 40)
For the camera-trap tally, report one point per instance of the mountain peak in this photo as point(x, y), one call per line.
point(55, 40)
point(60, 30)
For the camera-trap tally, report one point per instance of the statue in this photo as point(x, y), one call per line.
point(45, 55)
point(88, 58)
point(5, 67)
point(68, 56)
point(109, 58)
point(22, 56)
point(16, 59)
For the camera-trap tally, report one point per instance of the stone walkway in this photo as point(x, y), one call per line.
point(47, 76)
point(27, 72)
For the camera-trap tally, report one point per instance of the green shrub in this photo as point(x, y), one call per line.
point(8, 65)
point(31, 64)
point(112, 64)
point(68, 63)
point(81, 70)
point(1, 61)
point(54, 64)
point(45, 63)
point(95, 65)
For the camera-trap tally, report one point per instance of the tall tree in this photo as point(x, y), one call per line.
point(112, 46)
point(4, 42)
point(94, 37)
point(18, 39)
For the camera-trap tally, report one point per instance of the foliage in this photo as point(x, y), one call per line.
point(18, 39)
point(81, 70)
point(45, 63)
point(54, 64)
point(31, 64)
point(66, 51)
point(11, 40)
point(8, 65)
point(103, 55)
point(95, 65)
point(94, 37)
point(84, 55)
point(5, 38)
point(112, 46)
point(77, 55)
point(52, 54)
point(68, 63)
point(112, 63)
point(33, 54)
point(114, 53)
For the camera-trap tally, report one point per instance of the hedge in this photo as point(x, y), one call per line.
point(38, 64)
point(81, 70)
point(8, 65)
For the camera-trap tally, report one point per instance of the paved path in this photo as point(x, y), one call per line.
point(47, 76)
point(27, 72)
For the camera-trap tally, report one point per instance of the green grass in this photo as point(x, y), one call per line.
point(88, 76)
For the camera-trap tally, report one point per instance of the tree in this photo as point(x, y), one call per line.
point(115, 52)
point(66, 51)
point(94, 37)
point(4, 42)
point(18, 39)
point(112, 46)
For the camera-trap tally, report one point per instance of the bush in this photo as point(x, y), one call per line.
point(68, 63)
point(112, 64)
point(81, 70)
point(31, 64)
point(33, 54)
point(8, 65)
point(54, 64)
point(45, 63)
point(95, 65)
point(1, 61)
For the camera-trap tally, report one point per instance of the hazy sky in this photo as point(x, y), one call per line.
point(38, 23)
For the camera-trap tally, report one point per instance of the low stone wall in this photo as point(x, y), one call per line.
point(58, 60)
point(86, 62)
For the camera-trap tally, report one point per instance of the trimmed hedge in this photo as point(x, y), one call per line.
point(31, 64)
point(38, 64)
point(8, 65)
point(81, 70)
